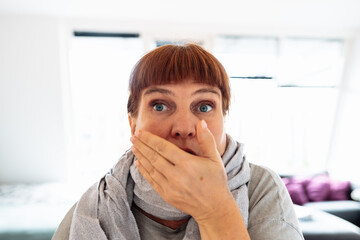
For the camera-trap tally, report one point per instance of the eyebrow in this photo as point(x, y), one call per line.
point(206, 90)
point(158, 90)
point(168, 92)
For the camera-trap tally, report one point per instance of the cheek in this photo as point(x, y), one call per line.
point(146, 121)
point(161, 129)
point(218, 131)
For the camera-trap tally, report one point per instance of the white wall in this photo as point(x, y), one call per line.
point(32, 146)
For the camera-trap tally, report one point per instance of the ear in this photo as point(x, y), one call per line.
point(132, 123)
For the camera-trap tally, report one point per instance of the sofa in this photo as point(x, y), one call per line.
point(319, 225)
point(332, 212)
point(348, 210)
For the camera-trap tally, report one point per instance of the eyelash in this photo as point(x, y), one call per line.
point(211, 105)
point(195, 107)
point(157, 102)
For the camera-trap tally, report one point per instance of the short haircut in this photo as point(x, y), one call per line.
point(175, 64)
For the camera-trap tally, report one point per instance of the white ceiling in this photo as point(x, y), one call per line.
point(320, 14)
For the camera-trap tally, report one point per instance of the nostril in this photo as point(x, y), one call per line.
point(183, 133)
point(189, 135)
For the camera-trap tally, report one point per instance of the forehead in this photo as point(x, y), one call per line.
point(182, 89)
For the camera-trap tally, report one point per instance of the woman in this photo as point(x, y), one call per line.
point(184, 177)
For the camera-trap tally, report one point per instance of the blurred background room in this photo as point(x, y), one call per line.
point(294, 68)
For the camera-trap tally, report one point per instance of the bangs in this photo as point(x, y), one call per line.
point(176, 64)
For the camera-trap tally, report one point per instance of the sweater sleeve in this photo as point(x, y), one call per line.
point(271, 211)
point(63, 231)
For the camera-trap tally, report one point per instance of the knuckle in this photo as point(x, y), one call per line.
point(161, 147)
point(152, 172)
point(152, 155)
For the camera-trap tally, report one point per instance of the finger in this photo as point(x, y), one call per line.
point(156, 175)
point(148, 177)
point(206, 141)
point(166, 149)
point(151, 158)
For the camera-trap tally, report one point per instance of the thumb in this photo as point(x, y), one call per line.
point(206, 141)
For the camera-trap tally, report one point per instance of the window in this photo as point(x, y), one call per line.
point(248, 57)
point(284, 96)
point(159, 43)
point(100, 67)
point(310, 62)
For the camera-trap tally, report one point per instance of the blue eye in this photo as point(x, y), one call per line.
point(205, 108)
point(160, 107)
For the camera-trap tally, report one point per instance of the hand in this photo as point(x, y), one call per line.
point(193, 184)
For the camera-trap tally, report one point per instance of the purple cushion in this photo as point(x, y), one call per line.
point(304, 181)
point(318, 189)
point(339, 190)
point(286, 181)
point(296, 191)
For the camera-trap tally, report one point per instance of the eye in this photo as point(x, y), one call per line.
point(160, 107)
point(205, 108)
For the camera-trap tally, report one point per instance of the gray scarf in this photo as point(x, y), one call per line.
point(104, 211)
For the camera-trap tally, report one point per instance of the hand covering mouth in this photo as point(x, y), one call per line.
point(188, 150)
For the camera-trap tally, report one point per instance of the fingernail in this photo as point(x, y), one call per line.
point(133, 149)
point(132, 139)
point(203, 124)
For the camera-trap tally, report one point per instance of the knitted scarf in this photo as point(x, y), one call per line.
point(104, 211)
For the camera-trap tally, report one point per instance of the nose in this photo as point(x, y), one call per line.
point(184, 125)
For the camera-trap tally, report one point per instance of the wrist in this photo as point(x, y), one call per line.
point(223, 211)
point(227, 223)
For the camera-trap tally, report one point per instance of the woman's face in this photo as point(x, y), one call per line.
point(172, 111)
